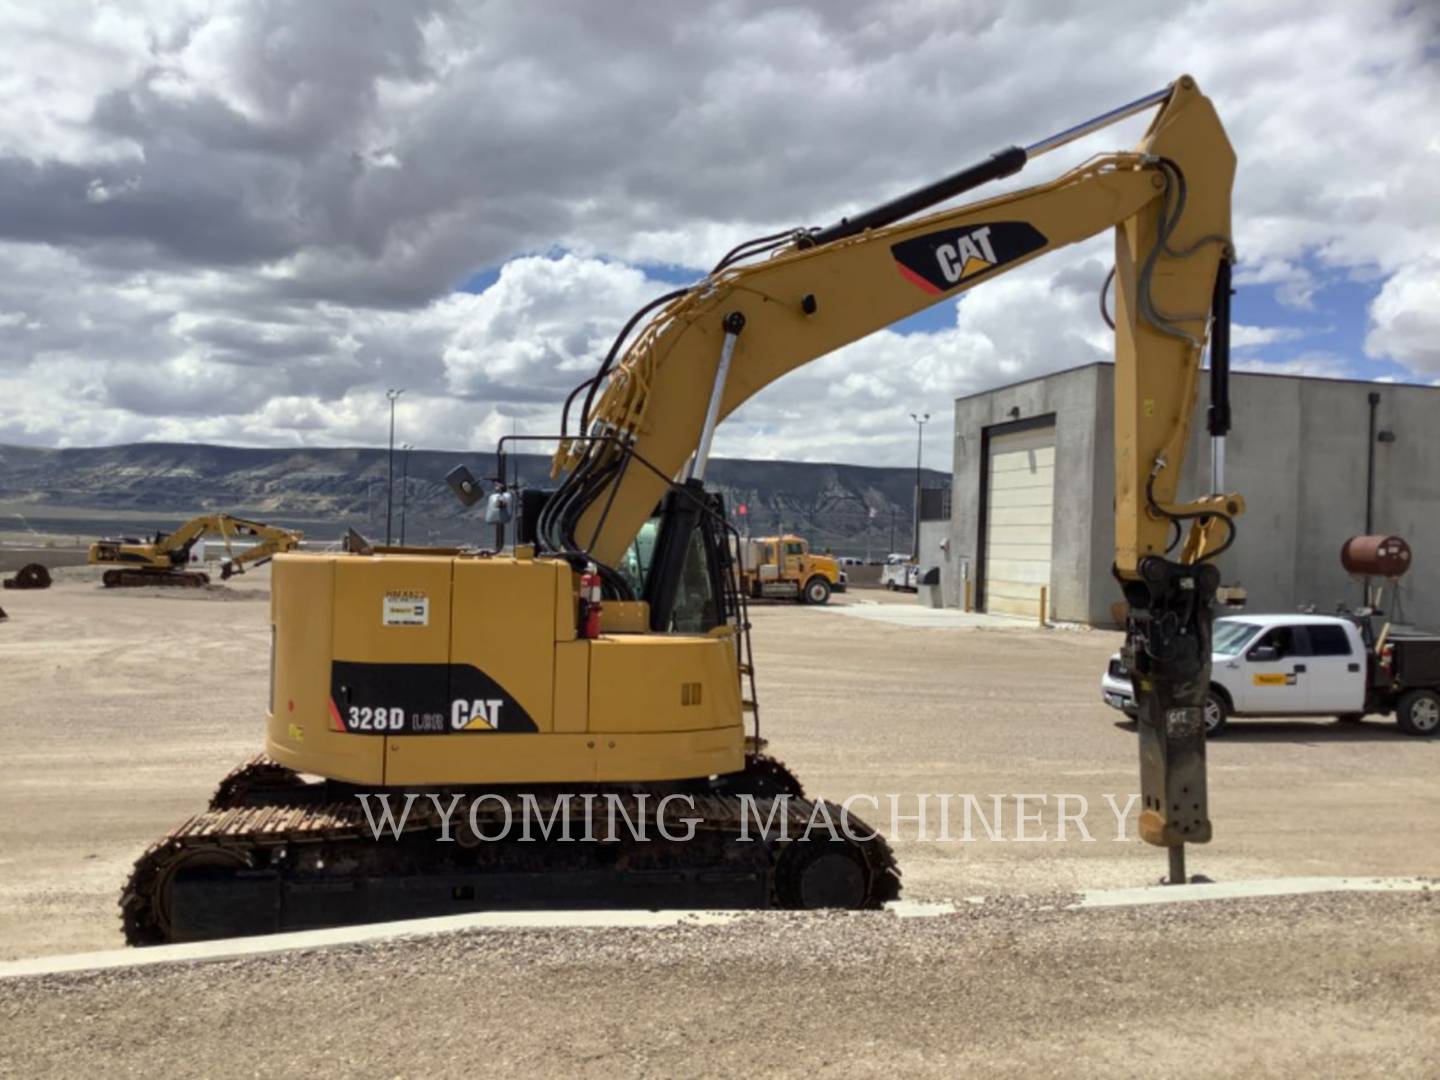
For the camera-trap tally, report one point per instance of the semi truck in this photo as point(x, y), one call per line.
point(784, 567)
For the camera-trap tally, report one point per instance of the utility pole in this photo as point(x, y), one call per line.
point(404, 486)
point(391, 395)
point(919, 445)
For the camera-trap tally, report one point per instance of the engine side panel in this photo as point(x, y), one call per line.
point(419, 669)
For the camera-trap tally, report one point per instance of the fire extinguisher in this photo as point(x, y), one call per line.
point(590, 602)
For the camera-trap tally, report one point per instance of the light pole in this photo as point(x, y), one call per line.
point(919, 445)
point(404, 486)
point(391, 394)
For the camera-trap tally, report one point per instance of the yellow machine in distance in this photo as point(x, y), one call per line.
point(608, 652)
point(785, 567)
point(162, 561)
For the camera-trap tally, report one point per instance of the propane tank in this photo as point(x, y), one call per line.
point(590, 607)
point(1375, 556)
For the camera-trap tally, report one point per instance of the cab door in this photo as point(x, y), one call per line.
point(769, 567)
point(1272, 672)
point(794, 559)
point(1335, 672)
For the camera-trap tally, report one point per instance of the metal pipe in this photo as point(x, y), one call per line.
point(404, 487)
point(1177, 865)
point(1079, 131)
point(1374, 399)
point(1370, 468)
point(920, 422)
point(392, 394)
point(734, 323)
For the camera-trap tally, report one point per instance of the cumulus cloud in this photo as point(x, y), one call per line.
point(1405, 317)
point(241, 221)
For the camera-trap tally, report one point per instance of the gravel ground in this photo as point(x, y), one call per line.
point(1333, 985)
point(120, 710)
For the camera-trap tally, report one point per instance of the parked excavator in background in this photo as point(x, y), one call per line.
point(163, 561)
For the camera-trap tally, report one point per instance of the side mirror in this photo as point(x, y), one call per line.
point(497, 509)
point(464, 485)
point(1263, 653)
point(355, 544)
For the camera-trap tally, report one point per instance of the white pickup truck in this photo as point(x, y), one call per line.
point(1308, 665)
point(900, 573)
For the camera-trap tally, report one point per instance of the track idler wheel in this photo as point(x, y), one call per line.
point(112, 579)
point(822, 874)
point(146, 914)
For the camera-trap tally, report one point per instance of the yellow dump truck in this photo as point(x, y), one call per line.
point(782, 566)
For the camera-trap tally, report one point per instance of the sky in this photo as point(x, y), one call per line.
point(242, 222)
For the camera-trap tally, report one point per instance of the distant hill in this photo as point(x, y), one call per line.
point(146, 486)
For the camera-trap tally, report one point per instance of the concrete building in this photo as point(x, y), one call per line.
point(1033, 492)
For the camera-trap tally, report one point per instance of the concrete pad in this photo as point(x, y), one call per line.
point(299, 940)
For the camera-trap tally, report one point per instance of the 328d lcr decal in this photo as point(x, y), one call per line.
point(420, 699)
point(949, 258)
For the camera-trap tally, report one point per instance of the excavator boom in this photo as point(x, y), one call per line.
point(826, 289)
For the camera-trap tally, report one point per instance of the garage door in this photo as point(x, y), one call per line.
point(1020, 488)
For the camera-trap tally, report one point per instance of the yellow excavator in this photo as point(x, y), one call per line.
point(162, 561)
point(602, 658)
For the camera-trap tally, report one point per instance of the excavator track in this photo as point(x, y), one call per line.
point(134, 579)
point(257, 782)
point(280, 854)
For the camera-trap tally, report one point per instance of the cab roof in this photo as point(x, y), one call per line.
point(1296, 619)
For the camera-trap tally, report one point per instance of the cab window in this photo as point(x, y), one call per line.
point(696, 609)
point(1230, 637)
point(794, 548)
point(635, 564)
point(1329, 641)
point(1279, 638)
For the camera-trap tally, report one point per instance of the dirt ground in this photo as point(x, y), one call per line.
point(1333, 986)
point(120, 710)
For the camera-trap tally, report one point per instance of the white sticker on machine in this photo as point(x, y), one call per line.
point(404, 607)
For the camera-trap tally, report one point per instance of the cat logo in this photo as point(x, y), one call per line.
point(950, 258)
point(478, 715)
point(971, 253)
